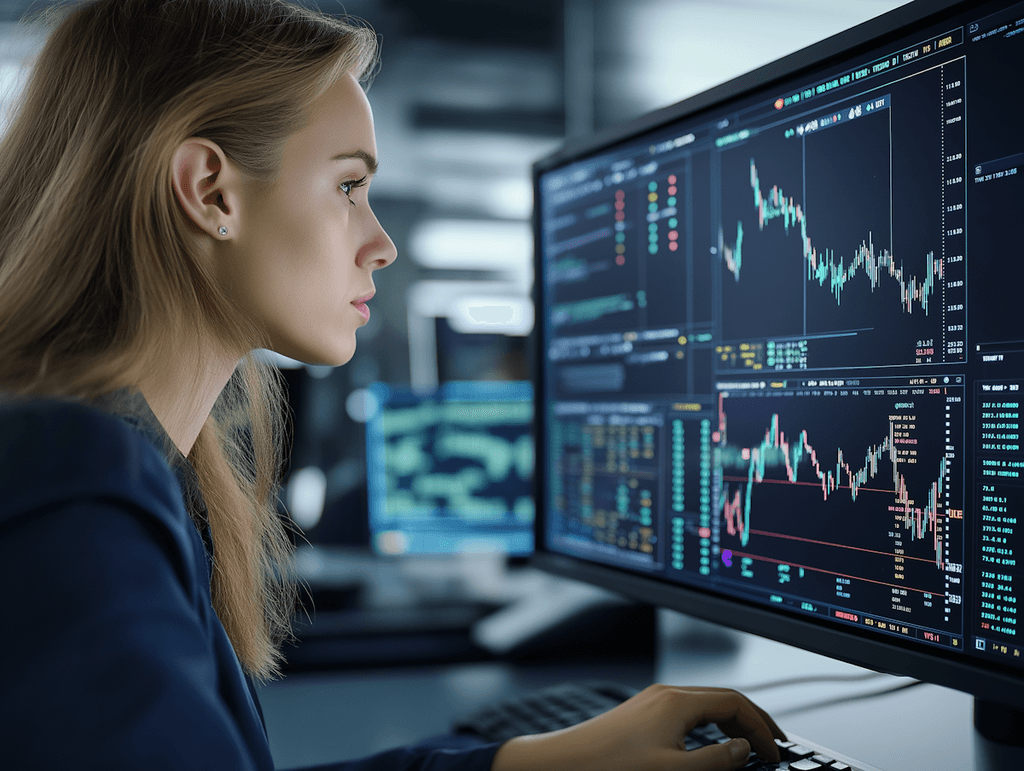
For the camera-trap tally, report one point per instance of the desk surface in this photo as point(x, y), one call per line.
point(329, 717)
point(325, 717)
point(923, 727)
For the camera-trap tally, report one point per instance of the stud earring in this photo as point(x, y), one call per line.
point(223, 230)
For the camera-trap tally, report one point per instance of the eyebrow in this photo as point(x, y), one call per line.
point(362, 155)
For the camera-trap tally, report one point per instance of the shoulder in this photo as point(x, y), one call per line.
point(72, 472)
point(54, 450)
point(119, 651)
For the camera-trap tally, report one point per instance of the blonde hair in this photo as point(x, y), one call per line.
point(100, 276)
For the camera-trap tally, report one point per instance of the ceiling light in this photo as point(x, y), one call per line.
point(472, 245)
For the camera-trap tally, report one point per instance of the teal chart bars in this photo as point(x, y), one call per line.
point(450, 470)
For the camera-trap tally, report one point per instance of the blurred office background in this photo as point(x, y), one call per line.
point(469, 94)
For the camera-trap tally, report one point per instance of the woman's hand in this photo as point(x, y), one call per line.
point(646, 733)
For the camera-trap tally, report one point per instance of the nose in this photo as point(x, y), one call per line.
point(379, 251)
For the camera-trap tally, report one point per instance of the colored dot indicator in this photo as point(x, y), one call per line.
point(620, 260)
point(780, 103)
point(671, 179)
point(727, 557)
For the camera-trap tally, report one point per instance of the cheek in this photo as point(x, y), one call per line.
point(299, 265)
point(321, 277)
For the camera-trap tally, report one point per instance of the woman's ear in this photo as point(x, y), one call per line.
point(205, 185)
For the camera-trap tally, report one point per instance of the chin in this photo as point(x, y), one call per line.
point(324, 356)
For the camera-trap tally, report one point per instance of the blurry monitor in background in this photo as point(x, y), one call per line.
point(479, 355)
point(450, 471)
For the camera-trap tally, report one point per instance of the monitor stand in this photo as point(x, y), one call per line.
point(563, 618)
point(999, 723)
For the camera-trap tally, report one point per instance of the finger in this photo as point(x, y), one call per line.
point(773, 727)
point(734, 714)
point(777, 732)
point(764, 745)
point(718, 757)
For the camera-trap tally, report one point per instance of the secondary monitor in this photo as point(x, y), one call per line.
point(450, 470)
point(781, 350)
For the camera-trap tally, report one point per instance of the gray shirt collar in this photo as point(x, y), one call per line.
point(131, 407)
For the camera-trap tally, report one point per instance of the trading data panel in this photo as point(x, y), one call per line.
point(783, 350)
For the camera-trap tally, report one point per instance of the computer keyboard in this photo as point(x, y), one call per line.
point(561, 706)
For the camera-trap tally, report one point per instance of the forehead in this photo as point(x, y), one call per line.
point(340, 121)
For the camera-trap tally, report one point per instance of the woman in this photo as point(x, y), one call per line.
point(184, 182)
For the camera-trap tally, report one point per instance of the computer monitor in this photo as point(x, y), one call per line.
point(781, 350)
point(450, 470)
point(477, 355)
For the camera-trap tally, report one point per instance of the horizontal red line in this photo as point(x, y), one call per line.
point(832, 572)
point(837, 545)
point(808, 484)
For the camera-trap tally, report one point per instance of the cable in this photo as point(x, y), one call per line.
point(806, 679)
point(844, 699)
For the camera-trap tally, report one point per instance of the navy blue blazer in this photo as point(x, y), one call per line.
point(113, 655)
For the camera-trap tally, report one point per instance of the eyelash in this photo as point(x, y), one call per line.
point(352, 184)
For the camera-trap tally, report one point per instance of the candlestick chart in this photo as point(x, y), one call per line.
point(862, 489)
point(827, 267)
point(807, 241)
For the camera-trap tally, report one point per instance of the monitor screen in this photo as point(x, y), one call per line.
point(781, 352)
point(451, 470)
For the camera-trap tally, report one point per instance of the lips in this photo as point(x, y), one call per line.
point(360, 305)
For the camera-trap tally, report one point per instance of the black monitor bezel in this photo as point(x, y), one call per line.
point(988, 681)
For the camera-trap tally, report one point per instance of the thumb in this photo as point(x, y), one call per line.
point(719, 757)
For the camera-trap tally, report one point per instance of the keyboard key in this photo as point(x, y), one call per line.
point(715, 734)
point(823, 759)
point(785, 745)
point(756, 764)
point(800, 751)
point(804, 765)
point(837, 766)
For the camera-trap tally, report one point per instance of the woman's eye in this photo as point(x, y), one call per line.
point(349, 186)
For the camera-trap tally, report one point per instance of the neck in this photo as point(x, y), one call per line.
point(182, 402)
